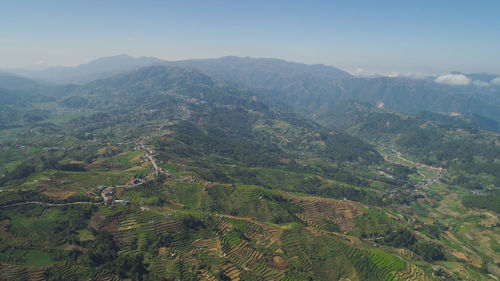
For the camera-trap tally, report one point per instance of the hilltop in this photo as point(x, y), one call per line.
point(166, 173)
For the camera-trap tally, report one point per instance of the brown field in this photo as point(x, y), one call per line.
point(134, 168)
point(3, 225)
point(53, 189)
point(278, 263)
point(470, 257)
point(231, 271)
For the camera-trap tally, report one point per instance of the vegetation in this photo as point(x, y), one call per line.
point(489, 202)
point(163, 174)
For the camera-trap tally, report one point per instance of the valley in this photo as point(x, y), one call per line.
point(164, 173)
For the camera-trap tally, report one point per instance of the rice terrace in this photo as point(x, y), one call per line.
point(249, 140)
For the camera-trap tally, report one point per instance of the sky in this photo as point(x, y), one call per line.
point(362, 37)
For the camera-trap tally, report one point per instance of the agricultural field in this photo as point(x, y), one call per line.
point(187, 226)
point(175, 177)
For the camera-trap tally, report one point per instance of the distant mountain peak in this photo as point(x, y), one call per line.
point(95, 69)
point(264, 73)
point(121, 59)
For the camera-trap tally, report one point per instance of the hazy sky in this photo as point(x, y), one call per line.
point(371, 36)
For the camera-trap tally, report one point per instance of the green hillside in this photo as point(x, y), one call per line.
point(165, 174)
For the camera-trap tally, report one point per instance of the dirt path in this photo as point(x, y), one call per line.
point(50, 204)
point(398, 155)
point(427, 181)
point(103, 192)
point(151, 158)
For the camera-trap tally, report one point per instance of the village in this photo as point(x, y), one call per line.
point(107, 194)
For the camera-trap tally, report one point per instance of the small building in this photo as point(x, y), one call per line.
point(124, 201)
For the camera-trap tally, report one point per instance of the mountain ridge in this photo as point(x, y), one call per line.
point(189, 176)
point(95, 69)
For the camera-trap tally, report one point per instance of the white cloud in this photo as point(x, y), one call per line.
point(453, 79)
point(410, 75)
point(480, 83)
point(393, 74)
point(496, 81)
point(358, 71)
point(40, 62)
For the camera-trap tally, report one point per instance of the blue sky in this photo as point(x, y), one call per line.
point(364, 36)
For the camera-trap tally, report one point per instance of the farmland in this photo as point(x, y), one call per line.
point(175, 177)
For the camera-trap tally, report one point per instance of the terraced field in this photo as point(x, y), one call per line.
point(232, 272)
point(373, 264)
point(203, 230)
point(339, 212)
point(9, 197)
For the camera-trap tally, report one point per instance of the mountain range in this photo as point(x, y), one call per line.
point(313, 90)
point(96, 69)
point(247, 169)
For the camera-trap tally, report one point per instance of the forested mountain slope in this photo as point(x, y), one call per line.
point(314, 90)
point(164, 173)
